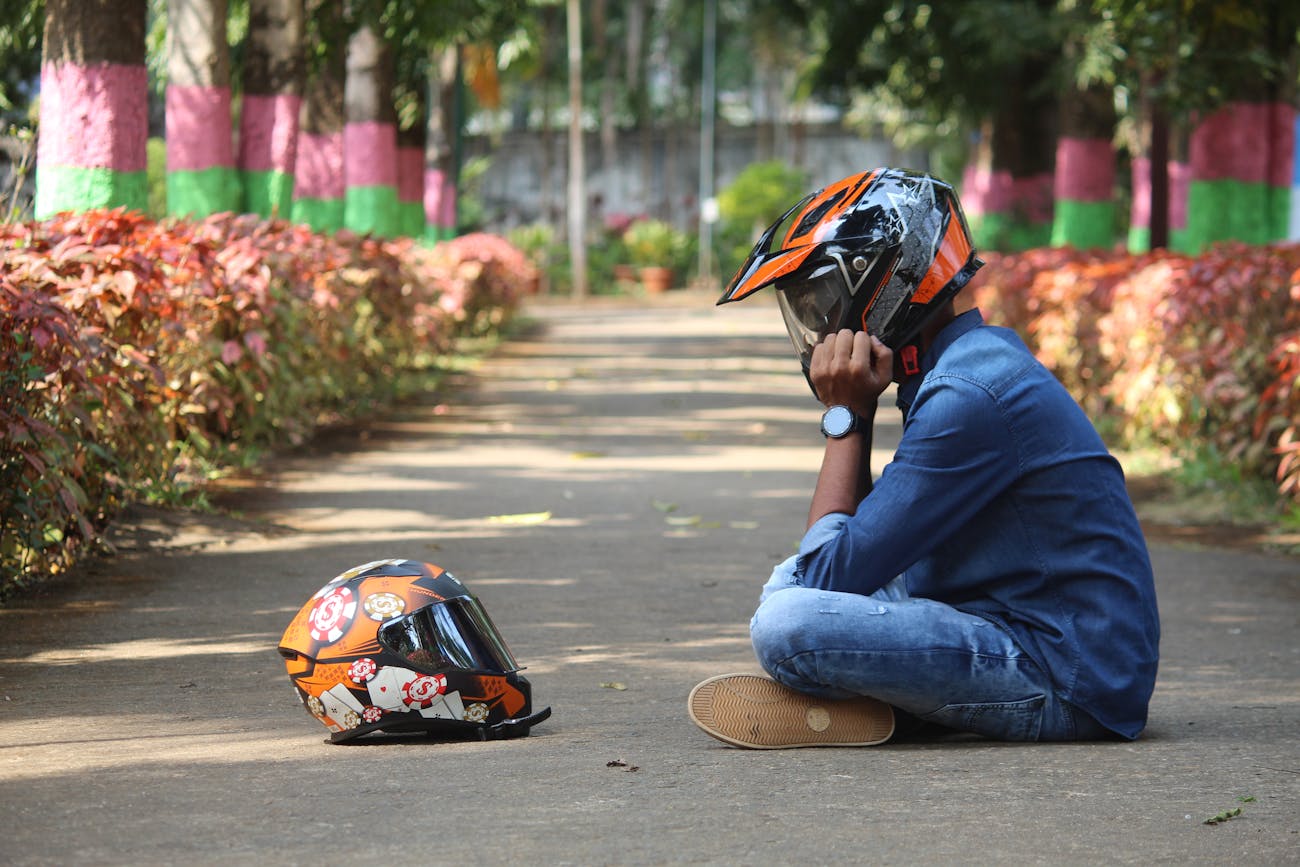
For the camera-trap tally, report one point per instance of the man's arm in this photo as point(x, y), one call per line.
point(848, 369)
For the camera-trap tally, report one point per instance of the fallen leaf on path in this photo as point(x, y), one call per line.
point(1224, 816)
point(582, 456)
point(614, 684)
point(664, 507)
point(684, 521)
point(619, 763)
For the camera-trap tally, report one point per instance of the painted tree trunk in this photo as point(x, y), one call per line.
point(410, 180)
point(1084, 178)
point(201, 176)
point(1242, 161)
point(370, 137)
point(1007, 192)
point(440, 148)
point(94, 120)
point(318, 169)
point(1139, 233)
point(269, 116)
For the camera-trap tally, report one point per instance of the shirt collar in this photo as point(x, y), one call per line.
point(963, 323)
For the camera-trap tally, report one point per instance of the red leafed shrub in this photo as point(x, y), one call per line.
point(130, 349)
point(1176, 349)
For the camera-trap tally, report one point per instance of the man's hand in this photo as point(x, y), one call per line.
point(851, 369)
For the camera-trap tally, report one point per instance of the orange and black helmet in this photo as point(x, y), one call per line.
point(879, 251)
point(402, 646)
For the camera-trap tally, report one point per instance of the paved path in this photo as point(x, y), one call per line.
point(146, 719)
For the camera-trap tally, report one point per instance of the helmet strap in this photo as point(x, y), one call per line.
point(910, 354)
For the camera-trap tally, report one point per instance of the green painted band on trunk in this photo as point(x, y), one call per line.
point(323, 215)
point(410, 219)
point(203, 192)
point(371, 210)
point(268, 193)
point(1224, 210)
point(1139, 239)
point(1083, 225)
point(69, 188)
point(1005, 233)
point(435, 234)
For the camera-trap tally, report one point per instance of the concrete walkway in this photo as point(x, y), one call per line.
point(615, 486)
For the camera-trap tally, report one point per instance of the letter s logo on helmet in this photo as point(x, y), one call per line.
point(402, 646)
point(880, 251)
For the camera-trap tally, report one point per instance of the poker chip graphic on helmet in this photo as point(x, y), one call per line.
point(397, 646)
point(332, 614)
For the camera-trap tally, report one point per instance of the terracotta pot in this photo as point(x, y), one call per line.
point(657, 279)
point(624, 274)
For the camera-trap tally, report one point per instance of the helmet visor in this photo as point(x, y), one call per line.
point(812, 308)
point(456, 633)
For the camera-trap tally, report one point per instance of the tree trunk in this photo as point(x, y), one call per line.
point(268, 129)
point(318, 165)
point(440, 146)
point(410, 174)
point(370, 137)
point(94, 119)
point(1084, 185)
point(577, 197)
point(1014, 207)
point(201, 177)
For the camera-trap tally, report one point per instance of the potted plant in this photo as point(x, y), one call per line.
point(655, 247)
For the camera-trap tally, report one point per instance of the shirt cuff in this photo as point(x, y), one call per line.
point(824, 529)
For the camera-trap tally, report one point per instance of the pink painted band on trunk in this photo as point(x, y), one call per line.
point(370, 154)
point(410, 174)
point(439, 199)
point(1253, 142)
point(998, 193)
point(1179, 178)
point(318, 173)
point(198, 128)
point(1085, 170)
point(1180, 181)
point(268, 133)
point(1139, 213)
point(1032, 198)
point(985, 192)
point(94, 116)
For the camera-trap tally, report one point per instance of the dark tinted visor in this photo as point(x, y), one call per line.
point(456, 633)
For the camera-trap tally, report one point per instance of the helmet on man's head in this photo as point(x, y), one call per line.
point(402, 646)
point(880, 251)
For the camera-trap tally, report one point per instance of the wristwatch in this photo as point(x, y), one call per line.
point(839, 421)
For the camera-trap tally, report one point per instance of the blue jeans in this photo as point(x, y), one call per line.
point(923, 657)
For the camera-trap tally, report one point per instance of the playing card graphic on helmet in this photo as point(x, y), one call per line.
point(402, 646)
point(879, 251)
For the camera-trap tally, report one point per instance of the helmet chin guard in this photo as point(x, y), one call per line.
point(400, 646)
point(880, 251)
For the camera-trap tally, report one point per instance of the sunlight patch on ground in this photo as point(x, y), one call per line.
point(144, 648)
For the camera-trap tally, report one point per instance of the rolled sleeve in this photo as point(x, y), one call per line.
point(957, 453)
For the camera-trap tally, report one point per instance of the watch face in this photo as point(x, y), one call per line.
point(837, 421)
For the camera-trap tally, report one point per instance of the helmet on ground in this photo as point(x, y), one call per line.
point(880, 251)
point(402, 646)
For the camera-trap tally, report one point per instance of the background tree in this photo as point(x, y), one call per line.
point(201, 176)
point(274, 64)
point(318, 158)
point(94, 115)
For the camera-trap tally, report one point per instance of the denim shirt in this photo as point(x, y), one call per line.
point(1003, 502)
